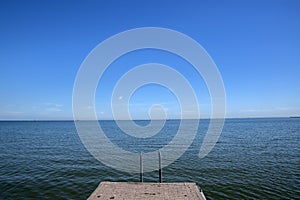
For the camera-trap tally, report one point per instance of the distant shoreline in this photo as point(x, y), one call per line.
point(68, 120)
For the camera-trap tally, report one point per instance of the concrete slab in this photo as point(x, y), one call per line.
point(146, 191)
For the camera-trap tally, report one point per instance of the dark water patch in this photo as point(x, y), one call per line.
point(253, 159)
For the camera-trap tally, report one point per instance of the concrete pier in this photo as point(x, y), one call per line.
point(145, 191)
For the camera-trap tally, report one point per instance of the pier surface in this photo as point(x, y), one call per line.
point(136, 191)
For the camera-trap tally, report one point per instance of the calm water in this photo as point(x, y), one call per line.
point(254, 159)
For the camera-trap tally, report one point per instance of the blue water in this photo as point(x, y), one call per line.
point(253, 159)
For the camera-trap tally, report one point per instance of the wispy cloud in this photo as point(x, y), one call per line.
point(51, 107)
point(148, 104)
point(277, 111)
point(16, 113)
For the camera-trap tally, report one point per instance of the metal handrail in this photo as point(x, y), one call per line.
point(142, 169)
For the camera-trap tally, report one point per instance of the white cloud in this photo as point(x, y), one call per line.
point(52, 104)
point(11, 113)
point(52, 107)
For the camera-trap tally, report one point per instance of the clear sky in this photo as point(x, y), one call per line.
point(255, 44)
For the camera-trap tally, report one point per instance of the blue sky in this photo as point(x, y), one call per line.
point(255, 45)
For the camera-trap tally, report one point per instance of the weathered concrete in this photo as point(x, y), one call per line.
point(141, 191)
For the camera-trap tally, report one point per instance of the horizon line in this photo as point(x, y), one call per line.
point(33, 120)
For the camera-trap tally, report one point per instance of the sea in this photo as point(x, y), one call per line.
point(254, 158)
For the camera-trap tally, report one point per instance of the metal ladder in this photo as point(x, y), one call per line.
point(159, 168)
